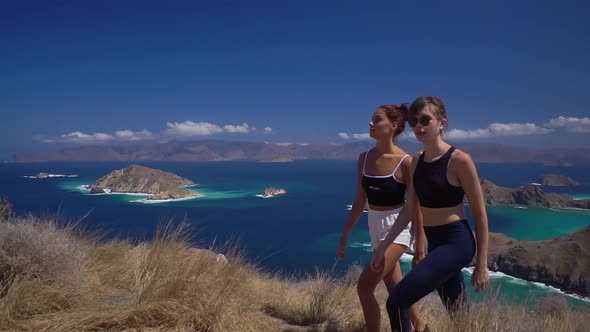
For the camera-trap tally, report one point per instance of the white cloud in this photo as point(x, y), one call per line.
point(343, 136)
point(498, 129)
point(130, 135)
point(240, 129)
point(189, 128)
point(361, 136)
point(78, 137)
point(460, 134)
point(75, 137)
point(574, 125)
point(172, 130)
point(517, 129)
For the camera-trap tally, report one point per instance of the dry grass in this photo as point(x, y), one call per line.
point(5, 208)
point(52, 279)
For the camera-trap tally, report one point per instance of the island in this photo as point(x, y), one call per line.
point(136, 179)
point(271, 192)
point(528, 195)
point(44, 175)
point(563, 262)
point(557, 180)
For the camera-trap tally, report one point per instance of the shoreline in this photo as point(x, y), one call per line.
point(407, 257)
point(84, 188)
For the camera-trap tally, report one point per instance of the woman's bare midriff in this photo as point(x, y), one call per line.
point(384, 208)
point(442, 216)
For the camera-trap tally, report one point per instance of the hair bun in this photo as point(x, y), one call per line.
point(405, 110)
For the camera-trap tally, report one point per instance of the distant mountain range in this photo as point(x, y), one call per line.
point(217, 150)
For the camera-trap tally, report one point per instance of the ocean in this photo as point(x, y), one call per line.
point(292, 234)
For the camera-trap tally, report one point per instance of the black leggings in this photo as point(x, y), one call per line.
point(450, 248)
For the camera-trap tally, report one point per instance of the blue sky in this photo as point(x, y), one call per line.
point(85, 72)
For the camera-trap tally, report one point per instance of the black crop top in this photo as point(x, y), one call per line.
point(431, 183)
point(384, 190)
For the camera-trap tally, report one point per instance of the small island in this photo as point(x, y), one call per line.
point(44, 175)
point(557, 180)
point(528, 195)
point(135, 179)
point(271, 192)
point(562, 262)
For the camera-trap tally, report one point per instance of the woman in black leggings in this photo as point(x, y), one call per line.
point(442, 177)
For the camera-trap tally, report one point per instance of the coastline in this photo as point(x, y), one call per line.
point(84, 188)
point(407, 258)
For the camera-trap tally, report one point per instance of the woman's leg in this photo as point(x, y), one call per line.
point(432, 272)
point(452, 292)
point(391, 280)
point(369, 280)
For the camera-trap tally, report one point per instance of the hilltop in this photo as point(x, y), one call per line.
point(528, 195)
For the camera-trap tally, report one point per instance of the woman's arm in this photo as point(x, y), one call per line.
point(358, 205)
point(468, 179)
point(417, 222)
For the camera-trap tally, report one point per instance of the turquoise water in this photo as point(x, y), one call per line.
point(294, 233)
point(581, 196)
point(536, 224)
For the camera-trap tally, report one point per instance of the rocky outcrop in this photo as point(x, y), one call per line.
point(139, 179)
point(557, 180)
point(529, 195)
point(271, 192)
point(562, 262)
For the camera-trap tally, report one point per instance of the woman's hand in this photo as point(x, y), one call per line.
point(480, 278)
point(418, 256)
point(378, 260)
point(341, 251)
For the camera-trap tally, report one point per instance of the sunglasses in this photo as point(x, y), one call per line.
point(424, 121)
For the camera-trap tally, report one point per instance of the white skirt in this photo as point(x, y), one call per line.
point(380, 223)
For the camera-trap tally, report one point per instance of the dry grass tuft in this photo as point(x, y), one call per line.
point(5, 208)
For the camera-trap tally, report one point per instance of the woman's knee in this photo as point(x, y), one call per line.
point(367, 284)
point(365, 288)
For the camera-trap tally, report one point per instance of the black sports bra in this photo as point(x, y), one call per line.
point(431, 183)
point(384, 190)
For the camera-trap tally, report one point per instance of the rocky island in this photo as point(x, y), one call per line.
point(135, 179)
point(563, 262)
point(557, 180)
point(271, 192)
point(528, 195)
point(44, 175)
